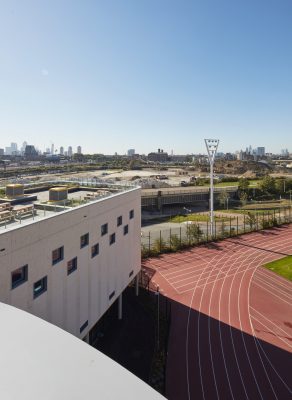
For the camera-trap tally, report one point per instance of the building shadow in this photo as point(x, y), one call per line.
point(209, 359)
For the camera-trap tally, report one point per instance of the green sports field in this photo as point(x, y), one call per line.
point(281, 267)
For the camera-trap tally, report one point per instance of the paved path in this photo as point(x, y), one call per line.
point(231, 331)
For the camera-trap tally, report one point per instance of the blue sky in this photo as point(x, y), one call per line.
point(115, 74)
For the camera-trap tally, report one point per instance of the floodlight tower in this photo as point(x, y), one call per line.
point(212, 146)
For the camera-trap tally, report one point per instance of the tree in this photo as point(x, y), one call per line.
point(251, 220)
point(243, 197)
point(268, 185)
point(194, 232)
point(223, 198)
point(243, 185)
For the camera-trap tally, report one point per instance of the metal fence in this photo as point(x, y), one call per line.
point(186, 235)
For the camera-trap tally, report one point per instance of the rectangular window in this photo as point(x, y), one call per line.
point(85, 325)
point(131, 214)
point(104, 229)
point(84, 240)
point(112, 238)
point(94, 250)
point(119, 220)
point(18, 276)
point(39, 287)
point(126, 229)
point(71, 265)
point(57, 255)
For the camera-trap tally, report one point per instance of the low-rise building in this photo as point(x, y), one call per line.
point(68, 250)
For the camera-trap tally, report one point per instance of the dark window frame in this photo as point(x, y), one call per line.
point(104, 229)
point(112, 239)
point(73, 267)
point(85, 325)
point(131, 214)
point(86, 243)
point(22, 279)
point(120, 220)
point(44, 283)
point(126, 229)
point(60, 258)
point(94, 250)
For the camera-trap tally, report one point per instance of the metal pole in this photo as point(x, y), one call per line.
point(157, 293)
point(212, 146)
point(120, 306)
point(211, 199)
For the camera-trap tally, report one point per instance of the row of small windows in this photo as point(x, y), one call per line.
point(20, 275)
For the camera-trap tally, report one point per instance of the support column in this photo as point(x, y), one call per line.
point(137, 284)
point(120, 306)
point(86, 338)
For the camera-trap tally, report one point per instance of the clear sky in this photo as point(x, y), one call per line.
point(117, 74)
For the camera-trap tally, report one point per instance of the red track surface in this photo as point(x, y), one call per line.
point(231, 327)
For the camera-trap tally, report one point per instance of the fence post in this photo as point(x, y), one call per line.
point(244, 223)
point(237, 225)
point(149, 244)
point(170, 238)
point(230, 227)
point(257, 221)
point(207, 230)
point(180, 236)
point(160, 241)
point(215, 228)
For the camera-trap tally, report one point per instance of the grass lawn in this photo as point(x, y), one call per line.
point(281, 267)
point(194, 217)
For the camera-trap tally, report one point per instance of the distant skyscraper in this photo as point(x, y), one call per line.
point(61, 150)
point(24, 144)
point(70, 152)
point(13, 148)
point(79, 150)
point(261, 151)
point(30, 151)
point(1, 152)
point(131, 152)
point(52, 148)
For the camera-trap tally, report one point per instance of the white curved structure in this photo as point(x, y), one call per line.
point(41, 361)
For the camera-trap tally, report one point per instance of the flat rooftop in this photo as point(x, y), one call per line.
point(35, 204)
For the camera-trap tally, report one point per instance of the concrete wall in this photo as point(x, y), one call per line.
point(83, 295)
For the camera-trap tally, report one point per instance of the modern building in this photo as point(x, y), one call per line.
point(68, 250)
point(1, 152)
point(260, 151)
point(160, 156)
point(47, 360)
point(70, 151)
point(131, 152)
point(61, 150)
point(79, 150)
point(30, 151)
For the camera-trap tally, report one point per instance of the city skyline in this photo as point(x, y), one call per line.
point(147, 74)
point(65, 150)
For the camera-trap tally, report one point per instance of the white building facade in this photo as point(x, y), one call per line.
point(69, 268)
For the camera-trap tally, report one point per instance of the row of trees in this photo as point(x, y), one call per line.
point(268, 187)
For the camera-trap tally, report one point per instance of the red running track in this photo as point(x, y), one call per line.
point(231, 320)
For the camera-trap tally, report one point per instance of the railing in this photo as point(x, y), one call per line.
point(186, 235)
point(37, 210)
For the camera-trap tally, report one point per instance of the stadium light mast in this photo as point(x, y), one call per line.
point(212, 146)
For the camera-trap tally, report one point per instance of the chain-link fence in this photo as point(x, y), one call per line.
point(190, 234)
